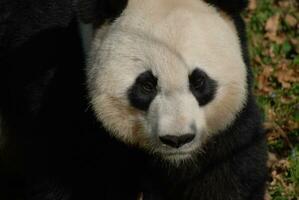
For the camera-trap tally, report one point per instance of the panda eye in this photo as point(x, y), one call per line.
point(199, 83)
point(202, 86)
point(198, 80)
point(148, 87)
point(143, 91)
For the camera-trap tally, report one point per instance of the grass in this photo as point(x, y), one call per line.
point(273, 33)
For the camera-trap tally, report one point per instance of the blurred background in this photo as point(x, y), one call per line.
point(273, 33)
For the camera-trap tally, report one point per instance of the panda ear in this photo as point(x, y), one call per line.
point(229, 6)
point(99, 11)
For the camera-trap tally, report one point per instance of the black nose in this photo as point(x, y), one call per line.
point(177, 141)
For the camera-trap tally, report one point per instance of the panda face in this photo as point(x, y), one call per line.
point(167, 75)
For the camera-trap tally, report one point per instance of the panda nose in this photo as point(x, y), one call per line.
point(177, 141)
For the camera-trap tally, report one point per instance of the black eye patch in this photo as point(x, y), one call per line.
point(143, 91)
point(202, 86)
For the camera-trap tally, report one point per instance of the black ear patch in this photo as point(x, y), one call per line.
point(143, 91)
point(229, 6)
point(99, 11)
point(202, 86)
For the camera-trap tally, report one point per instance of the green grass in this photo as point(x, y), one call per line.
point(294, 168)
point(273, 33)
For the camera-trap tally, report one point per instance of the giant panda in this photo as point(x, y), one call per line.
point(170, 82)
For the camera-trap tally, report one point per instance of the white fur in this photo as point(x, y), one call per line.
point(170, 38)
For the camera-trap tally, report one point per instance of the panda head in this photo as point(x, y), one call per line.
point(166, 75)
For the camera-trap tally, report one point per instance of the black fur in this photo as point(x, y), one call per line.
point(99, 11)
point(229, 6)
point(202, 86)
point(22, 19)
point(144, 90)
point(43, 106)
point(42, 100)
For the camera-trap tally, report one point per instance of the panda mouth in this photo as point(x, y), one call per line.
point(183, 152)
point(177, 157)
point(177, 154)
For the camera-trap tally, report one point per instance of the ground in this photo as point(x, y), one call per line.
point(273, 33)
